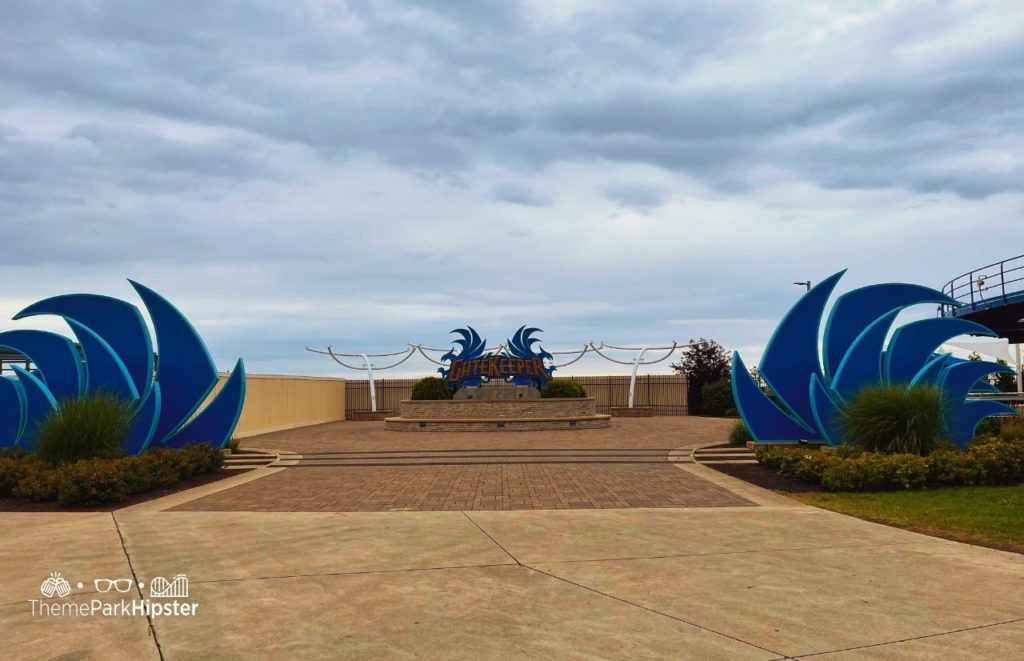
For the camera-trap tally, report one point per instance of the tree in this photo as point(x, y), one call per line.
point(755, 374)
point(705, 361)
point(1005, 382)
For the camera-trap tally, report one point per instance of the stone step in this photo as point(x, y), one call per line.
point(438, 461)
point(723, 450)
point(730, 461)
point(717, 453)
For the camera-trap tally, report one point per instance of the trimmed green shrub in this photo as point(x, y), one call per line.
point(13, 469)
point(1000, 461)
point(39, 484)
point(85, 427)
point(987, 461)
point(717, 398)
point(895, 419)
point(197, 459)
point(769, 455)
point(151, 470)
point(739, 434)
point(101, 481)
point(562, 389)
point(431, 387)
point(951, 468)
point(808, 466)
point(92, 482)
point(873, 471)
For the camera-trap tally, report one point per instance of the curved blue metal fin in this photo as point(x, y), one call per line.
point(957, 380)
point(766, 421)
point(929, 374)
point(103, 368)
point(185, 371)
point(962, 423)
point(218, 420)
point(856, 309)
point(983, 385)
point(12, 411)
point(39, 404)
point(144, 425)
point(119, 324)
point(792, 352)
point(913, 344)
point(54, 356)
point(862, 364)
point(826, 413)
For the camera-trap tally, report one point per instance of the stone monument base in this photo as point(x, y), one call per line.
point(496, 394)
point(498, 415)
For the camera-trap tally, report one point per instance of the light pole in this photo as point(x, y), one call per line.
point(805, 283)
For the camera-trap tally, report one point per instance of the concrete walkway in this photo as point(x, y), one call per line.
point(768, 580)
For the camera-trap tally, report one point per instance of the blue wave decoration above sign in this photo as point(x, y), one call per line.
point(115, 355)
point(515, 361)
point(808, 389)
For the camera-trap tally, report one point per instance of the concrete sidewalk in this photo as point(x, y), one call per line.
point(731, 583)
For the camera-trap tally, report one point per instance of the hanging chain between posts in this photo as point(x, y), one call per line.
point(368, 366)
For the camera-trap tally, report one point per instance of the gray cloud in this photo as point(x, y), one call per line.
point(519, 194)
point(639, 197)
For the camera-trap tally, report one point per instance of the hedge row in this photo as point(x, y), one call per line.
point(102, 481)
point(987, 461)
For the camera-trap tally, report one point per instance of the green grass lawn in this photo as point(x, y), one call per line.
point(987, 516)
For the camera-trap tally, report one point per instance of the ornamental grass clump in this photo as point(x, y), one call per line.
point(93, 426)
point(739, 434)
point(895, 419)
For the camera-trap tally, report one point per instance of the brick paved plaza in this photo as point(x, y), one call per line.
point(358, 466)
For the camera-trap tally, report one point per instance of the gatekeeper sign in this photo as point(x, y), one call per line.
point(515, 361)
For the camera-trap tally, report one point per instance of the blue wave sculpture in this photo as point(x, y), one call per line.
point(521, 346)
point(117, 357)
point(470, 346)
point(811, 389)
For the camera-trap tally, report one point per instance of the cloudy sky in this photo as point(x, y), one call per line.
point(367, 174)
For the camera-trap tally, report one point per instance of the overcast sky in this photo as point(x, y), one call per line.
point(370, 174)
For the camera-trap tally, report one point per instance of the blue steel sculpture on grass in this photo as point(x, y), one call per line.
point(117, 357)
point(810, 390)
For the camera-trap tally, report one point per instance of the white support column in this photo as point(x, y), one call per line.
point(1019, 378)
point(369, 376)
point(632, 379)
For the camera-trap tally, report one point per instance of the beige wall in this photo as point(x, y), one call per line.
point(276, 402)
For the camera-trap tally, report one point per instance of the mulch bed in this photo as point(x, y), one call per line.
point(13, 505)
point(766, 478)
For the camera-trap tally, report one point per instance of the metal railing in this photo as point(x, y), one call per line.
point(8, 358)
point(989, 286)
